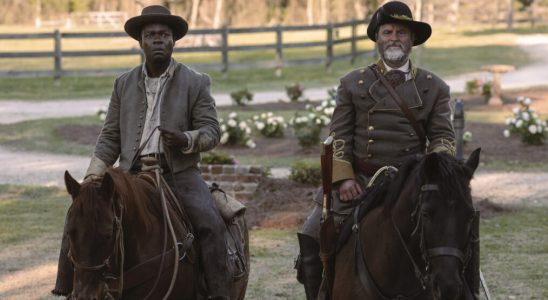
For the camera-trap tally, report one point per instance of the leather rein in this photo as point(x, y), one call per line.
point(135, 275)
point(426, 253)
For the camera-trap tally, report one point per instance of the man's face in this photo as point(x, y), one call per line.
point(157, 42)
point(394, 42)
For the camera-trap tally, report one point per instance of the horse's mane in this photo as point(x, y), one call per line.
point(134, 194)
point(452, 178)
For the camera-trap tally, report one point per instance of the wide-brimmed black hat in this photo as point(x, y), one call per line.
point(156, 14)
point(398, 12)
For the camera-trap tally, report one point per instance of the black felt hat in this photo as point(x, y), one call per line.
point(156, 14)
point(398, 12)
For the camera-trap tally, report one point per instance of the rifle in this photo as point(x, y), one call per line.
point(328, 233)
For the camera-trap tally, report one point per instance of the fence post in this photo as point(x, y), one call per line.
point(279, 51)
point(57, 55)
point(458, 124)
point(329, 49)
point(353, 42)
point(224, 50)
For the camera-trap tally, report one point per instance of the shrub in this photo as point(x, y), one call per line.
point(294, 92)
point(215, 158)
point(236, 132)
point(526, 124)
point(473, 86)
point(306, 172)
point(102, 114)
point(241, 97)
point(270, 125)
point(308, 127)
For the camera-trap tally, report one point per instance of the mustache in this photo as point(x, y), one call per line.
point(395, 44)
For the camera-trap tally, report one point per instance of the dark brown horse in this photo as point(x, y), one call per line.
point(119, 240)
point(415, 243)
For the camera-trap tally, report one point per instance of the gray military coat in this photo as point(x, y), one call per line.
point(187, 106)
point(369, 126)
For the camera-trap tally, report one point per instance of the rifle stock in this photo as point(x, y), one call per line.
point(327, 229)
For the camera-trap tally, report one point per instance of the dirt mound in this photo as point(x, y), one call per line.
point(279, 203)
point(490, 210)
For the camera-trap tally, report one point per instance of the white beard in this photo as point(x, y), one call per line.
point(394, 54)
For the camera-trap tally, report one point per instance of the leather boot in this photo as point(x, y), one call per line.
point(65, 271)
point(309, 266)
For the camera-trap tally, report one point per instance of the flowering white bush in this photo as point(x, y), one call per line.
point(270, 125)
point(308, 126)
point(525, 122)
point(102, 113)
point(467, 137)
point(235, 131)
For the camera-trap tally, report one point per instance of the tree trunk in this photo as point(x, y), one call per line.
point(510, 22)
point(218, 13)
point(310, 11)
point(194, 13)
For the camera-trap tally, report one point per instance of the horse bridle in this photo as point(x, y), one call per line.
point(118, 248)
point(429, 253)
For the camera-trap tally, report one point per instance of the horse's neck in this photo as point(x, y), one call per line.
point(391, 267)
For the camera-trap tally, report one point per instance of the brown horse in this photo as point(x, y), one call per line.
point(120, 244)
point(415, 242)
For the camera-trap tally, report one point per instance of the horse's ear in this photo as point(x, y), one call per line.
point(107, 186)
point(431, 165)
point(73, 187)
point(473, 161)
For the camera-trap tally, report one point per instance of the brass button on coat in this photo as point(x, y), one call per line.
point(369, 155)
point(371, 141)
point(371, 128)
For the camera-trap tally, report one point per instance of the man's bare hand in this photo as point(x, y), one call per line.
point(174, 138)
point(349, 189)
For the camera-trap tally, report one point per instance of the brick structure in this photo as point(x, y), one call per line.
point(240, 181)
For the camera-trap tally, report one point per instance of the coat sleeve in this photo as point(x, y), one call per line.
point(439, 129)
point(108, 147)
point(206, 132)
point(342, 130)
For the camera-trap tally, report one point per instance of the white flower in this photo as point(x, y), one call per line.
point(242, 125)
point(506, 133)
point(263, 116)
point(260, 125)
point(532, 129)
point(527, 101)
point(311, 115)
point(540, 129)
point(247, 130)
point(515, 110)
point(525, 116)
point(223, 128)
point(231, 123)
point(508, 121)
point(519, 123)
point(250, 143)
point(269, 114)
point(520, 99)
point(329, 111)
point(224, 138)
point(232, 115)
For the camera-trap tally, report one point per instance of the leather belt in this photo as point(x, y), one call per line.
point(367, 169)
point(159, 156)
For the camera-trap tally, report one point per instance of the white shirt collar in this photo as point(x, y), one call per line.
point(404, 68)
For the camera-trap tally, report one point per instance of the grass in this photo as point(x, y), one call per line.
point(446, 53)
point(514, 254)
point(514, 246)
point(27, 213)
point(42, 135)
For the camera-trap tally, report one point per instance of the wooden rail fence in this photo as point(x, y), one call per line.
point(278, 61)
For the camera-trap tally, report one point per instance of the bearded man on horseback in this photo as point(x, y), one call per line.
point(163, 109)
point(386, 113)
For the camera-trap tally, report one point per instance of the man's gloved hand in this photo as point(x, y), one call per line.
point(349, 189)
point(174, 138)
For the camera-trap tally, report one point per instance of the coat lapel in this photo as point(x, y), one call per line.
point(384, 101)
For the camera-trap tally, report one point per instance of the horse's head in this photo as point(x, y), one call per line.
point(443, 218)
point(93, 226)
